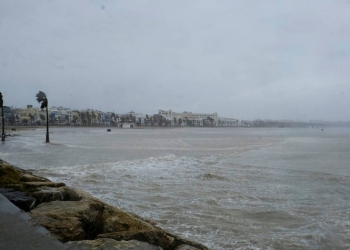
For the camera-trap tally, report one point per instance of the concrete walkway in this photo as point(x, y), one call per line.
point(17, 232)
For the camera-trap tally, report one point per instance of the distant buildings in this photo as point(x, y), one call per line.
point(198, 119)
point(90, 117)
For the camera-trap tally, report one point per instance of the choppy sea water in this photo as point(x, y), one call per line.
point(236, 188)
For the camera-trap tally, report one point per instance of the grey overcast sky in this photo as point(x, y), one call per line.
point(245, 59)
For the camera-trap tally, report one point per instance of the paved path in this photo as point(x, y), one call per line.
point(18, 233)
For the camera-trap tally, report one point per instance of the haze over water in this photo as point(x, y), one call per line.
point(236, 188)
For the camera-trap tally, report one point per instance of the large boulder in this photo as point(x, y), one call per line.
point(110, 244)
point(48, 194)
point(152, 236)
point(85, 219)
point(185, 247)
point(36, 184)
point(65, 220)
point(18, 198)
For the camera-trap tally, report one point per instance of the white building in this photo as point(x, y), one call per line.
point(61, 113)
point(227, 122)
point(195, 119)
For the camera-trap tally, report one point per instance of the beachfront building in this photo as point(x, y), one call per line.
point(29, 115)
point(190, 118)
point(127, 118)
point(76, 120)
point(140, 119)
point(61, 115)
point(227, 122)
point(9, 115)
point(90, 117)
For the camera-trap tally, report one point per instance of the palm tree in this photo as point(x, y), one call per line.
point(112, 119)
point(42, 117)
point(83, 121)
point(88, 116)
point(93, 116)
point(12, 119)
point(117, 119)
point(147, 120)
point(99, 117)
point(31, 117)
point(41, 98)
point(74, 120)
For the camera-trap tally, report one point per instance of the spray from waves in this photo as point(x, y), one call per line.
point(98, 171)
point(162, 189)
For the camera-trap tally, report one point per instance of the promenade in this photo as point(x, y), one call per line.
point(17, 231)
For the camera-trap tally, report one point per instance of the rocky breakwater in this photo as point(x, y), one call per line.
point(82, 221)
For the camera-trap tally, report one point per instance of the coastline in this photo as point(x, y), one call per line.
point(78, 219)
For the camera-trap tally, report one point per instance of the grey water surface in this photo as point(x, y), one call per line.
point(228, 188)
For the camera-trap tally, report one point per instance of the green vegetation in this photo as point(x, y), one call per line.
point(12, 178)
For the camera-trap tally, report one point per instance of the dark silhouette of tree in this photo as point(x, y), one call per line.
point(211, 120)
point(160, 120)
point(66, 118)
point(78, 118)
point(93, 117)
point(52, 118)
point(175, 120)
point(147, 120)
point(83, 121)
point(112, 119)
point(41, 98)
point(117, 118)
point(99, 117)
point(25, 121)
point(31, 117)
point(74, 120)
point(42, 117)
point(88, 117)
point(12, 119)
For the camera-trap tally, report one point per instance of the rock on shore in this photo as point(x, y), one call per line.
point(83, 221)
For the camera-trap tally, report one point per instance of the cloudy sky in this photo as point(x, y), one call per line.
point(246, 59)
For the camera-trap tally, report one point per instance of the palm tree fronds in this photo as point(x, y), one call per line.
point(40, 96)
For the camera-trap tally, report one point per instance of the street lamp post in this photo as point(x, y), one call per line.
point(2, 118)
point(47, 119)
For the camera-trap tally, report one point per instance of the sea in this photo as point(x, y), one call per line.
point(227, 188)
